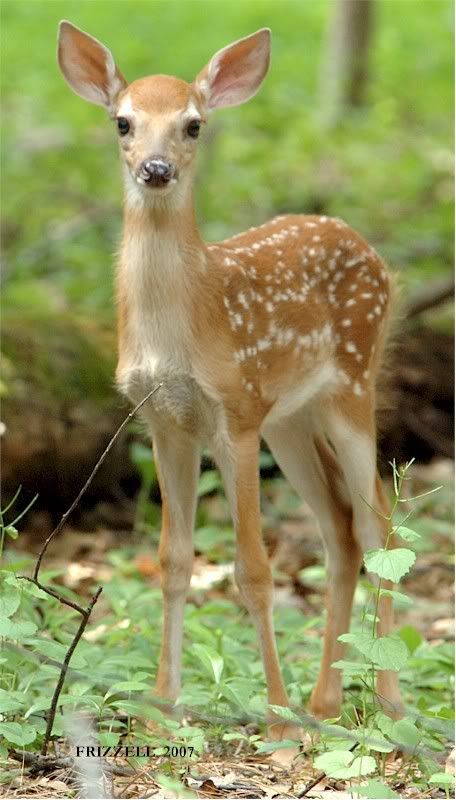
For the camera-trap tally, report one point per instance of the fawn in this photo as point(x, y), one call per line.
point(277, 332)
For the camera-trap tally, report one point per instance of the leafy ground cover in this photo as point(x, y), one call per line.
point(220, 746)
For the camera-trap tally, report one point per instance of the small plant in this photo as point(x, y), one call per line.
point(375, 734)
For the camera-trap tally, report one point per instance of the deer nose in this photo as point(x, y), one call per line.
point(156, 171)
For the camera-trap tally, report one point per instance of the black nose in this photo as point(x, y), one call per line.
point(156, 171)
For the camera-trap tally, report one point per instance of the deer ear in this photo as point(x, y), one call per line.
point(88, 67)
point(235, 73)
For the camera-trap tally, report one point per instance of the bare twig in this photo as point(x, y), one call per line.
point(37, 762)
point(89, 481)
point(55, 697)
point(85, 612)
point(310, 784)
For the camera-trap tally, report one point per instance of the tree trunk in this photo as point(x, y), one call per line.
point(345, 69)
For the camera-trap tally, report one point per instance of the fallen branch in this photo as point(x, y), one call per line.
point(37, 762)
point(310, 784)
point(85, 612)
point(430, 297)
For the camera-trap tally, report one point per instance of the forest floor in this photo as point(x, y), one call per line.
point(228, 763)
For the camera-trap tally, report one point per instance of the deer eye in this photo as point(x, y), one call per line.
point(123, 125)
point(193, 128)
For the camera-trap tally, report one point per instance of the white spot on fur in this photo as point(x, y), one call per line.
point(357, 389)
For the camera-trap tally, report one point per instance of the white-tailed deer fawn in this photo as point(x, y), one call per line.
point(277, 333)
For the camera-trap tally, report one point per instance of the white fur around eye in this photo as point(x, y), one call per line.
point(126, 108)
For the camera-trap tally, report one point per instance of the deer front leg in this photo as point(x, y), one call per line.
point(252, 571)
point(178, 462)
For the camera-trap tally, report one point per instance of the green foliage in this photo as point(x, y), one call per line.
point(385, 652)
point(111, 675)
point(391, 565)
point(373, 790)
point(343, 764)
point(386, 168)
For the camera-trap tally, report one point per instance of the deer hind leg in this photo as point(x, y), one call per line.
point(253, 575)
point(178, 462)
point(351, 429)
point(306, 460)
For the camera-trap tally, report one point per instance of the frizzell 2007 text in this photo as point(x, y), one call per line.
point(130, 751)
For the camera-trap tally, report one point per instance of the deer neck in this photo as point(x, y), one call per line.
point(162, 262)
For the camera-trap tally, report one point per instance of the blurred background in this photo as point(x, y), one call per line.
point(355, 119)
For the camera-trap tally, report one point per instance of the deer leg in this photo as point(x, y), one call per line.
point(252, 570)
point(355, 446)
point(306, 466)
point(178, 461)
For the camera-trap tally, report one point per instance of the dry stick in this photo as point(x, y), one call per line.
point(38, 763)
point(310, 784)
point(85, 612)
point(89, 480)
point(63, 671)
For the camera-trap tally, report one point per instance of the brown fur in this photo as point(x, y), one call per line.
point(279, 331)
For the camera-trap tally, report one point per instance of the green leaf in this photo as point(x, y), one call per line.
point(108, 738)
point(405, 732)
point(443, 779)
point(210, 659)
point(333, 731)
point(362, 765)
point(57, 651)
point(17, 734)
point(129, 686)
point(384, 723)
point(11, 531)
point(352, 667)
point(234, 694)
point(27, 587)
point(9, 602)
point(142, 457)
point(209, 482)
point(391, 565)
point(411, 637)
point(285, 713)
point(386, 652)
point(16, 630)
point(407, 534)
point(271, 747)
point(10, 701)
point(189, 732)
point(401, 598)
point(343, 764)
point(374, 790)
point(378, 743)
point(333, 761)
